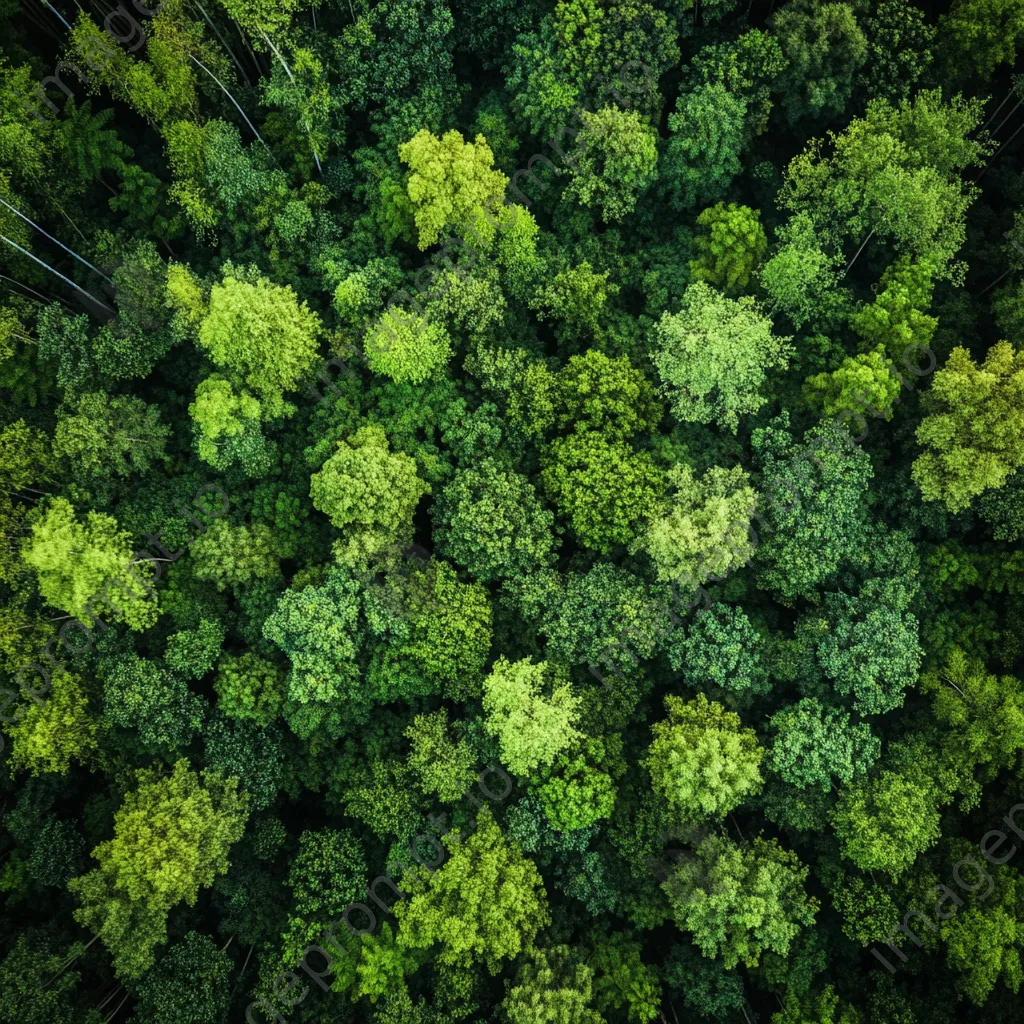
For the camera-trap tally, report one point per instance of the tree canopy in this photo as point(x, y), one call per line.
point(512, 512)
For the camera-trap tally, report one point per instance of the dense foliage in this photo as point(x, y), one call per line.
point(512, 512)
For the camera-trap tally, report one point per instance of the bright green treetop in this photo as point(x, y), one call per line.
point(453, 187)
point(532, 711)
point(87, 569)
point(702, 761)
point(171, 838)
point(486, 902)
point(259, 333)
point(732, 249)
point(713, 357)
point(369, 493)
point(974, 430)
point(706, 531)
point(741, 901)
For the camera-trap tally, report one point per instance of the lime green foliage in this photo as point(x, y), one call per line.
point(407, 347)
point(88, 569)
point(369, 493)
point(260, 334)
point(171, 838)
point(56, 729)
point(552, 987)
point(531, 710)
point(227, 424)
point(603, 488)
point(401, 433)
point(732, 248)
point(706, 531)
point(713, 357)
point(442, 765)
point(453, 187)
point(613, 163)
point(577, 795)
point(865, 385)
point(885, 821)
point(486, 902)
point(974, 427)
point(702, 761)
point(741, 902)
point(898, 320)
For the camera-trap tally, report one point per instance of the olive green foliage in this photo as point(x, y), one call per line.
point(732, 248)
point(54, 731)
point(552, 988)
point(442, 765)
point(741, 901)
point(605, 488)
point(613, 163)
point(491, 521)
point(973, 434)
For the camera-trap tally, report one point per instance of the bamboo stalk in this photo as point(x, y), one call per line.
point(18, 213)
